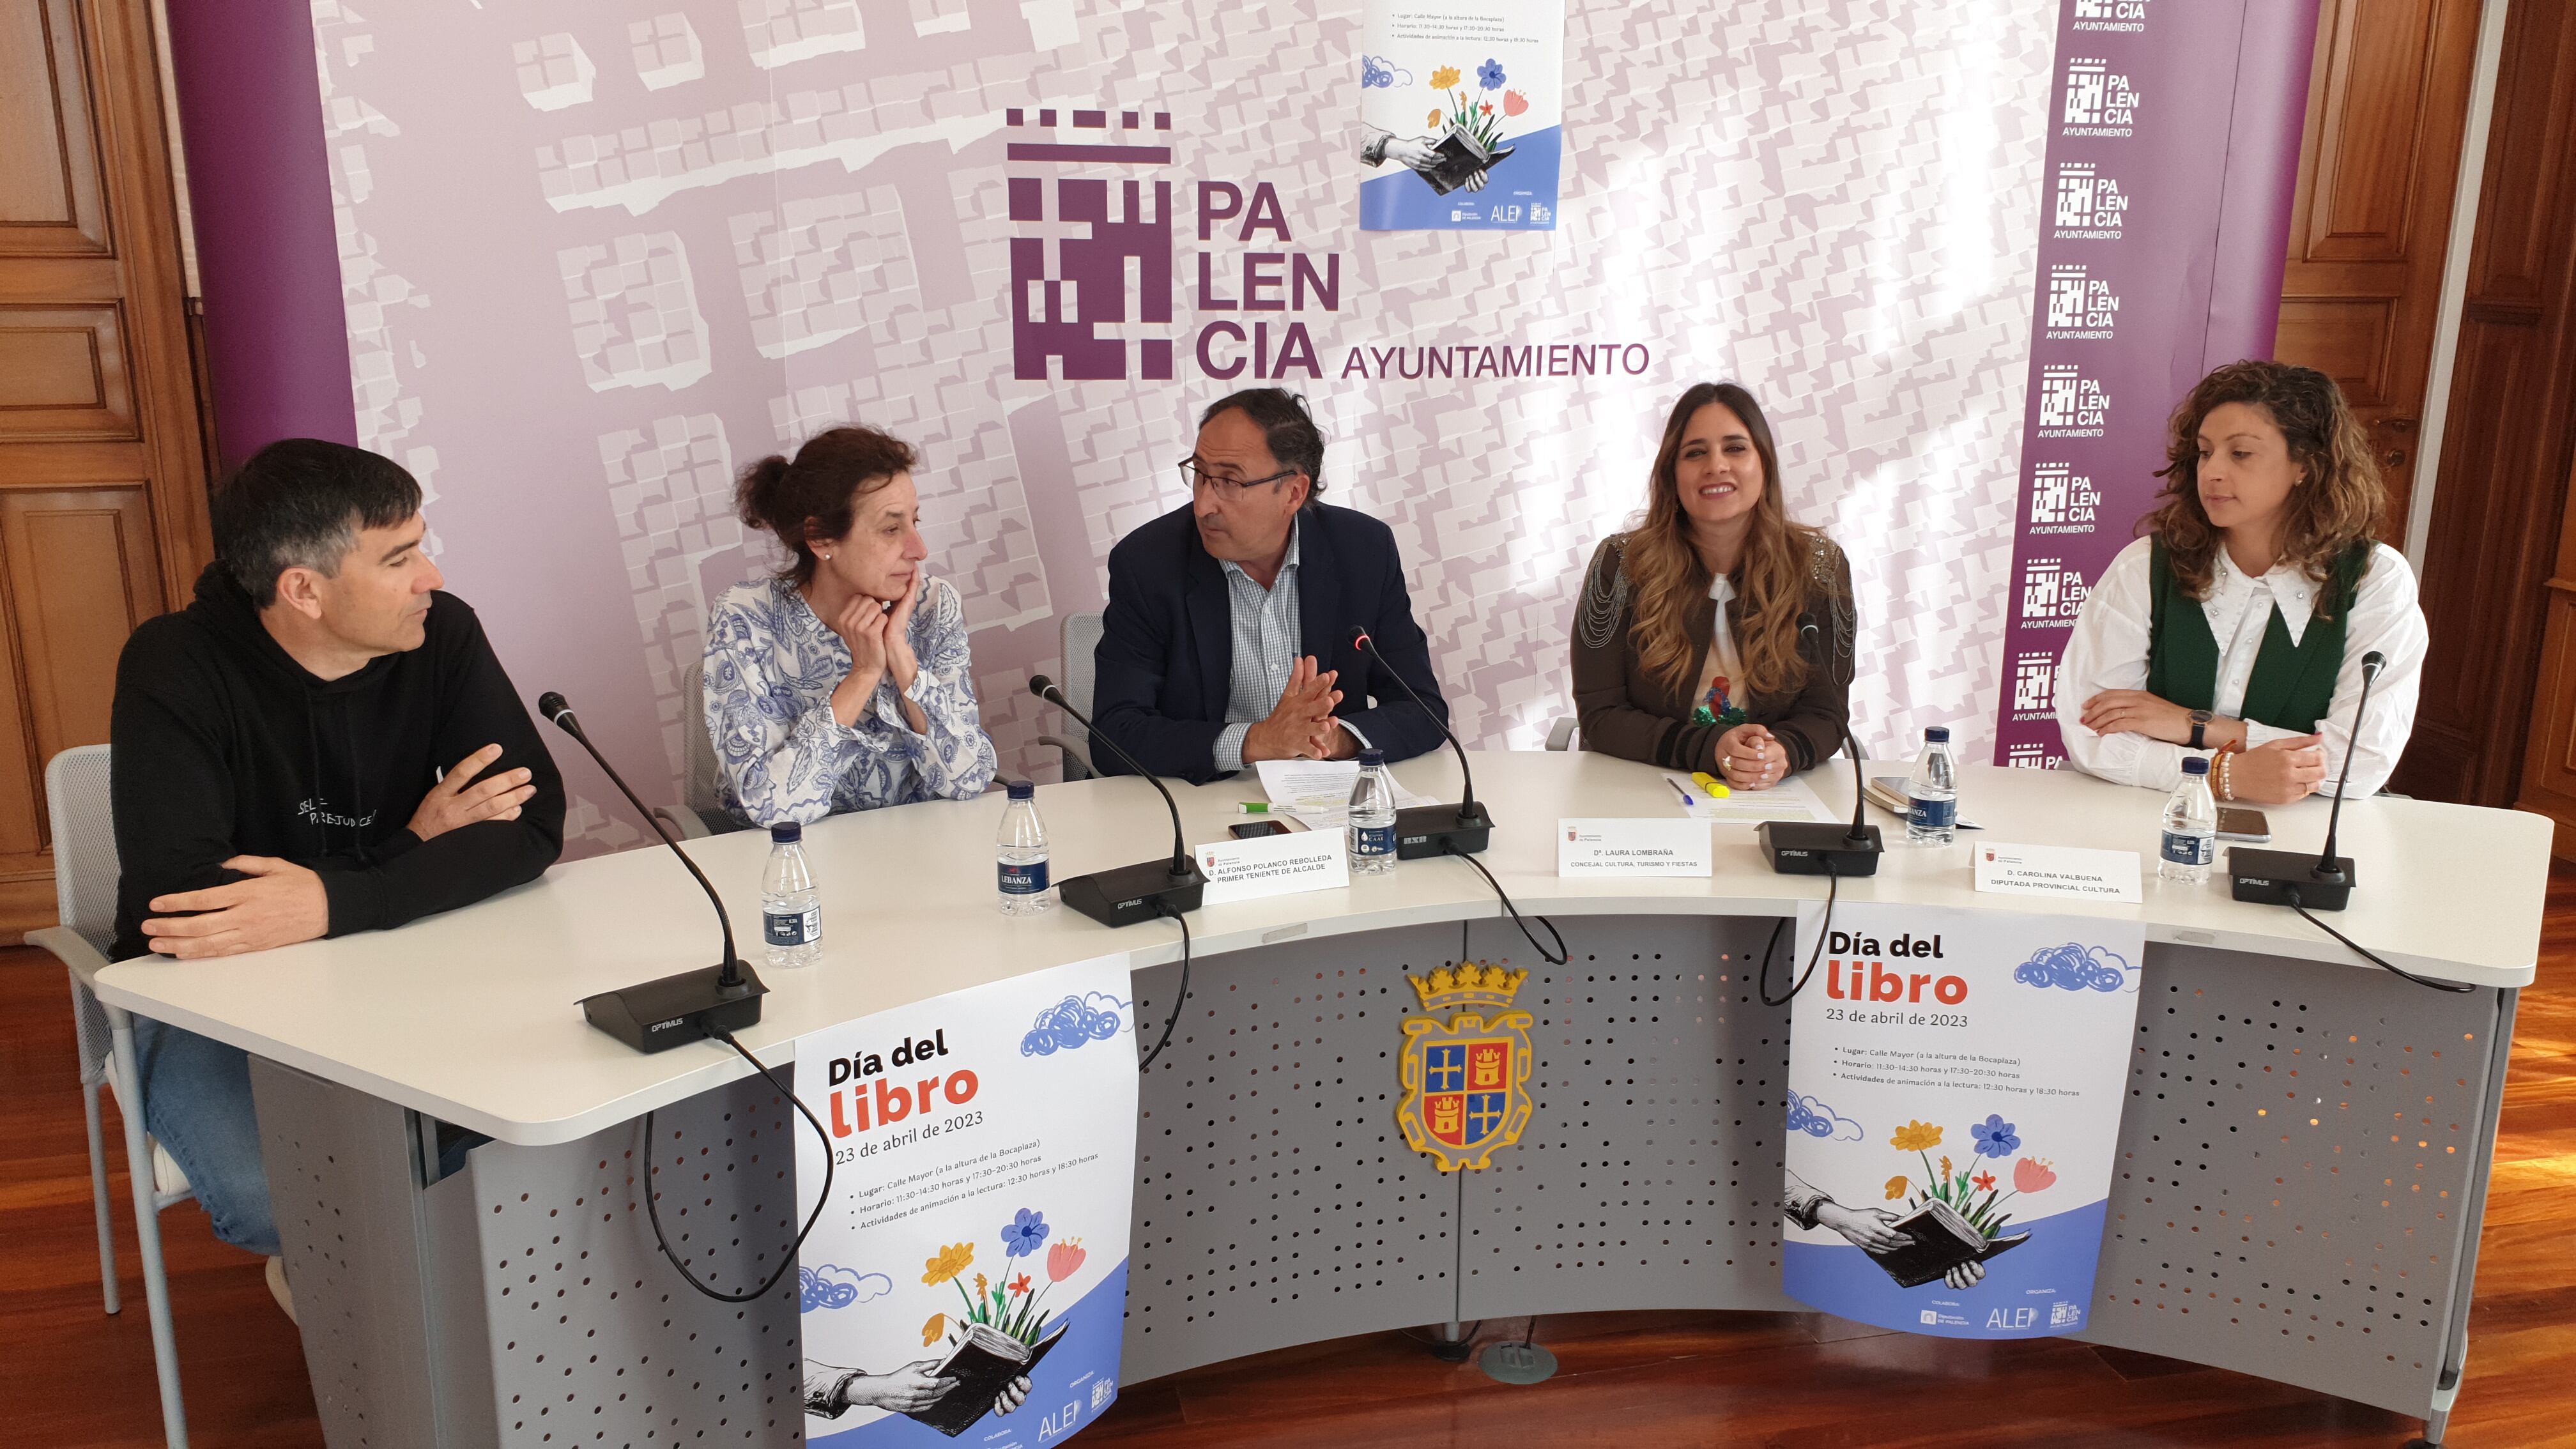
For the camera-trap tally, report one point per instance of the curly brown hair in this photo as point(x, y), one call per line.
point(814, 497)
point(2336, 503)
point(1671, 582)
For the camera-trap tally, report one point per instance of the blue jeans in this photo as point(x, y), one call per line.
point(196, 1102)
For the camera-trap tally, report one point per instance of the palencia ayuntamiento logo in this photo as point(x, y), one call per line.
point(1112, 243)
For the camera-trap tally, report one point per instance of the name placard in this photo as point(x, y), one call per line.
point(1632, 847)
point(1273, 865)
point(2058, 870)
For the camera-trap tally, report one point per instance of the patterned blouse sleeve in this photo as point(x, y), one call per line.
point(956, 758)
point(779, 747)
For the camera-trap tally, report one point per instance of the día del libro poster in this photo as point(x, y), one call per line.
point(1461, 111)
point(1955, 1086)
point(968, 1280)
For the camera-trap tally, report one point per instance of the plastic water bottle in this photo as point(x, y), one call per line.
point(1932, 795)
point(791, 915)
point(1372, 830)
point(1021, 854)
point(2191, 828)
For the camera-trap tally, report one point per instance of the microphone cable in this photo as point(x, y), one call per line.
point(654, 1212)
point(2456, 988)
point(1163, 909)
point(1762, 982)
point(1448, 847)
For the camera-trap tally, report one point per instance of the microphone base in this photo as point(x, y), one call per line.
point(654, 1016)
point(1425, 830)
point(1805, 847)
point(1133, 893)
point(2267, 877)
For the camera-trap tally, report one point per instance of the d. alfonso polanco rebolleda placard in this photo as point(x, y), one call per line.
point(968, 1279)
point(1956, 1080)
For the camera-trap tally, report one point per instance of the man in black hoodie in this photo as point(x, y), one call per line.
point(321, 743)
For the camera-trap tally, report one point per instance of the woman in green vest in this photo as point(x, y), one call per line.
point(2236, 627)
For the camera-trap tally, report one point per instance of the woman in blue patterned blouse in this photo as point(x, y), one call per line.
point(841, 684)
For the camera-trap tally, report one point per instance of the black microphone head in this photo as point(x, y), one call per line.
point(1039, 684)
point(2373, 662)
point(553, 706)
point(1360, 636)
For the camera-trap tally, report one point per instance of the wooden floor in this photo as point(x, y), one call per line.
point(71, 1376)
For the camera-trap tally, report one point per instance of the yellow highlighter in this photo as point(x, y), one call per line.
point(1713, 785)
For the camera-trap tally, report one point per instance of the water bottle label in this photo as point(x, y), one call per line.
point(1023, 880)
point(792, 928)
point(1372, 840)
point(2184, 849)
point(1932, 814)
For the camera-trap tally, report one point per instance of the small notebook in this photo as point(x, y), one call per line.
point(1938, 1240)
point(983, 1366)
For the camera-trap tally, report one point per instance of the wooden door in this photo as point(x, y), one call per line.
point(102, 474)
point(2387, 107)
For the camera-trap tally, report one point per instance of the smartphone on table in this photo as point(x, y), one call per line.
point(1255, 829)
point(2235, 822)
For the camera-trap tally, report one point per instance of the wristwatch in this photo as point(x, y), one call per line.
point(2199, 724)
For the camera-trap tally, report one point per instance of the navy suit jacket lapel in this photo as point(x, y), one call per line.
point(1320, 625)
point(1210, 606)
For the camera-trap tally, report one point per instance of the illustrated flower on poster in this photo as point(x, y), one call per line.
point(1895, 1188)
point(2032, 1174)
point(1445, 77)
point(1010, 1306)
point(1023, 1234)
point(1490, 75)
point(1472, 120)
point(1514, 103)
point(1814, 1118)
point(954, 1259)
point(835, 1287)
point(1985, 1181)
point(1915, 1136)
point(1435, 117)
point(2077, 968)
point(1995, 1137)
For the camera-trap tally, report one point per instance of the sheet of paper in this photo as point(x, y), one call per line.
point(1319, 791)
point(1791, 799)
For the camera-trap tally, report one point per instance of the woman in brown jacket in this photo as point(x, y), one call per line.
point(1656, 678)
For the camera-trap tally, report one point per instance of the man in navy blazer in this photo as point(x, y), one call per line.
point(1227, 639)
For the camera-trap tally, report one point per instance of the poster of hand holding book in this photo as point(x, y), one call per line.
point(968, 1279)
point(1955, 1086)
point(1461, 114)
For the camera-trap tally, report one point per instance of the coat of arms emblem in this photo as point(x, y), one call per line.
point(1466, 1086)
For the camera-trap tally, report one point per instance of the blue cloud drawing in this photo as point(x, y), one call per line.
point(1814, 1118)
point(2077, 968)
point(1071, 1022)
point(831, 1287)
point(1379, 73)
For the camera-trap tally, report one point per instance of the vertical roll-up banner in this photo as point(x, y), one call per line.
point(2162, 112)
point(1955, 1085)
point(968, 1277)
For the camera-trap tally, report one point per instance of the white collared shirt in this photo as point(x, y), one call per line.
point(2108, 650)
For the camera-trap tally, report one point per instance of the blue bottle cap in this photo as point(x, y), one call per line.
point(1372, 757)
point(2195, 765)
point(1022, 789)
point(1936, 734)
point(787, 834)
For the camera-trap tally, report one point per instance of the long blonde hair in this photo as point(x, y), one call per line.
point(1669, 582)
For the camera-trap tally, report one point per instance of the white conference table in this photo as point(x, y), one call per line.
point(364, 1043)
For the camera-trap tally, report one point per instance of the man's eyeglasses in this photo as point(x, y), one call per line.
point(1224, 485)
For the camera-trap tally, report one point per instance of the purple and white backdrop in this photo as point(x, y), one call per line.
point(594, 258)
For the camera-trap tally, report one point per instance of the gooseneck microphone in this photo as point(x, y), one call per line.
point(2288, 878)
point(1130, 893)
point(711, 1001)
point(1813, 847)
point(1425, 830)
